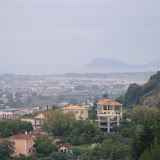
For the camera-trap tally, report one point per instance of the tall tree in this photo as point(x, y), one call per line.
point(59, 123)
point(44, 146)
point(105, 96)
point(133, 94)
point(6, 149)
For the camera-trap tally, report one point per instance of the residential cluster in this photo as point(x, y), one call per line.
point(108, 113)
point(18, 91)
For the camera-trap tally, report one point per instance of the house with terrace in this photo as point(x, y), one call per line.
point(109, 113)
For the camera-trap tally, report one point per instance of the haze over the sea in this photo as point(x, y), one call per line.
point(51, 36)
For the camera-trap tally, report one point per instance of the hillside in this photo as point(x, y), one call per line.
point(146, 95)
point(151, 91)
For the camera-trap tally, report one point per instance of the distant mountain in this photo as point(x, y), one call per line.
point(107, 63)
point(154, 64)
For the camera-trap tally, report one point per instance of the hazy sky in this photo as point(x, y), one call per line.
point(65, 32)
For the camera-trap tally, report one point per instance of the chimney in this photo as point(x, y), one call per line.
point(25, 132)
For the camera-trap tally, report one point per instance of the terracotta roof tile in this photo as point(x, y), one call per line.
point(115, 104)
point(39, 130)
point(41, 116)
point(33, 148)
point(64, 145)
point(109, 102)
point(19, 136)
point(41, 135)
point(74, 107)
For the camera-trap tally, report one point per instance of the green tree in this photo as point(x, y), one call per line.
point(9, 96)
point(140, 114)
point(11, 103)
point(18, 103)
point(54, 106)
point(152, 83)
point(84, 138)
point(73, 101)
point(107, 146)
point(25, 126)
point(142, 140)
point(57, 156)
point(59, 123)
point(105, 96)
point(6, 149)
point(29, 100)
point(96, 153)
point(153, 153)
point(22, 157)
point(18, 95)
point(156, 128)
point(116, 129)
point(133, 94)
point(125, 132)
point(75, 141)
point(44, 146)
point(114, 155)
point(92, 113)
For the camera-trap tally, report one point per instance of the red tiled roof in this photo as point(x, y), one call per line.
point(41, 116)
point(115, 104)
point(41, 135)
point(38, 130)
point(19, 136)
point(33, 148)
point(1, 140)
point(66, 146)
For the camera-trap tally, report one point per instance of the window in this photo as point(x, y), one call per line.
point(104, 112)
point(76, 111)
point(30, 151)
point(81, 111)
point(104, 107)
point(103, 123)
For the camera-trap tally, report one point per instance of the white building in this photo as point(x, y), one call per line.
point(36, 121)
point(10, 113)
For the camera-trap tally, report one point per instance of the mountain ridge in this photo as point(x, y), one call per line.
point(108, 63)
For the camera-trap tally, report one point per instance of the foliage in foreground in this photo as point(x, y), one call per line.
point(6, 149)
